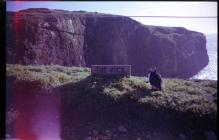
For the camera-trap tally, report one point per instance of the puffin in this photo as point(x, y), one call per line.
point(155, 79)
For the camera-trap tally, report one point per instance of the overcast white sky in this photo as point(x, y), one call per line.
point(204, 25)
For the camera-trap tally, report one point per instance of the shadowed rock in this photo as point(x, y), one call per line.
point(43, 36)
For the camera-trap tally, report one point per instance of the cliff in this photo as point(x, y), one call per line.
point(43, 36)
point(68, 103)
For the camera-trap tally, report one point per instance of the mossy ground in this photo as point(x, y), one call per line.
point(198, 96)
point(115, 99)
point(48, 75)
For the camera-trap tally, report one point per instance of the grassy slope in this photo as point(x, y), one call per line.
point(182, 95)
point(48, 75)
point(132, 97)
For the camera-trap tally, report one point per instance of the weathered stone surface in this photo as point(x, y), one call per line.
point(42, 36)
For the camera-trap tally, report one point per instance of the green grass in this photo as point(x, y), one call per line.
point(188, 104)
point(197, 96)
point(48, 75)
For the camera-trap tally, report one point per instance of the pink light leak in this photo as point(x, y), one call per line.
point(17, 28)
point(46, 123)
point(39, 114)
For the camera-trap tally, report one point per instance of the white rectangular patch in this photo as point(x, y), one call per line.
point(111, 70)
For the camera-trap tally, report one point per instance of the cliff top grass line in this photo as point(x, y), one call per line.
point(117, 107)
point(196, 96)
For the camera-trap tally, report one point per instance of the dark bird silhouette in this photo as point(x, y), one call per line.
point(155, 79)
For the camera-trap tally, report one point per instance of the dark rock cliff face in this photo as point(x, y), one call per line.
point(43, 36)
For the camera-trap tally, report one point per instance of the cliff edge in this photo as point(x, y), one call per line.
point(78, 105)
point(43, 36)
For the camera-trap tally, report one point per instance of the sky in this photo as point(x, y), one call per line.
point(133, 8)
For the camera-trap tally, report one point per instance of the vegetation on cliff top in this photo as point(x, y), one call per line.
point(197, 96)
point(48, 75)
point(103, 103)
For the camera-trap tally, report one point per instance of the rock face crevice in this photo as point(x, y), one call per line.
point(43, 36)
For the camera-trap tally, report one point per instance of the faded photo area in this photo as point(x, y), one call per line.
point(111, 70)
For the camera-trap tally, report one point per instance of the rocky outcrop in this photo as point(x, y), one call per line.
point(43, 36)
